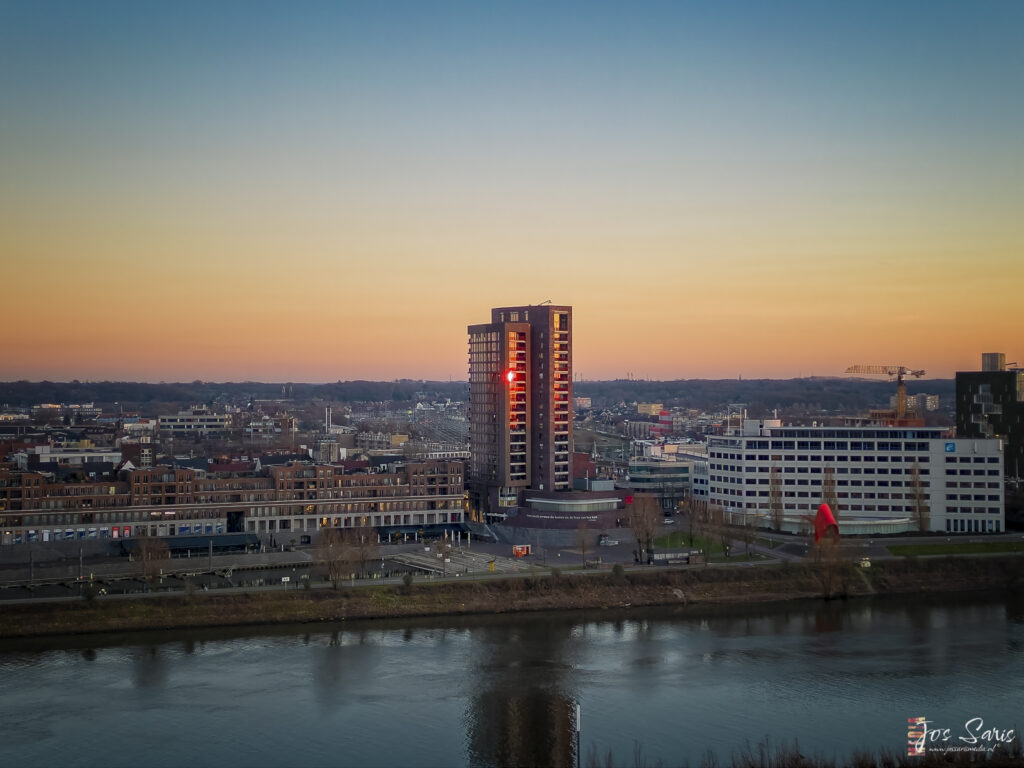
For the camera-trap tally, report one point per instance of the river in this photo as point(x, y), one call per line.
point(501, 690)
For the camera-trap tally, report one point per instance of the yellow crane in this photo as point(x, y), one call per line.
point(899, 371)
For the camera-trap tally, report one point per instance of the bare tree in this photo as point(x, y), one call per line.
point(699, 523)
point(919, 500)
point(644, 516)
point(151, 554)
point(716, 525)
point(830, 566)
point(748, 533)
point(336, 554)
point(691, 514)
point(442, 548)
point(775, 497)
point(365, 544)
point(828, 491)
point(686, 507)
point(581, 539)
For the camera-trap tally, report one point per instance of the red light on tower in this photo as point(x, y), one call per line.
point(510, 375)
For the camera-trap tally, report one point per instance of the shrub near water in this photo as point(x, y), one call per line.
point(765, 754)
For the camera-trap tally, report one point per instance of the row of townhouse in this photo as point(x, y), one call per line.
point(167, 501)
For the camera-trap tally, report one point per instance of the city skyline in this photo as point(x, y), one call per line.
point(254, 192)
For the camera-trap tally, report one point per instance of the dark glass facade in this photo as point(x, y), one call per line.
point(991, 404)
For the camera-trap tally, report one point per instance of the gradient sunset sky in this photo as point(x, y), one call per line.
point(323, 191)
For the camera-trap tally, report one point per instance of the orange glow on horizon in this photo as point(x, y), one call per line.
point(182, 313)
point(352, 206)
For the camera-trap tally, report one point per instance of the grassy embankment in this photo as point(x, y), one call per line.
point(681, 540)
point(712, 546)
point(535, 593)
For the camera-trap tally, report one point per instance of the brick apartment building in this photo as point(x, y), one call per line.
point(166, 501)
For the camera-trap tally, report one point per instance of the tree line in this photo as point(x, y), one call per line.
point(759, 396)
point(136, 394)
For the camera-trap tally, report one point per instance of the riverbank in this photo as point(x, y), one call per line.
point(692, 586)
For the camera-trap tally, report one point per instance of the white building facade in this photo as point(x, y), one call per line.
point(200, 421)
point(878, 473)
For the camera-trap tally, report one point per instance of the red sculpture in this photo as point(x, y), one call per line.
point(825, 524)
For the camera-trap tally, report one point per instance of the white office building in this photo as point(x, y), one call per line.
point(197, 420)
point(877, 473)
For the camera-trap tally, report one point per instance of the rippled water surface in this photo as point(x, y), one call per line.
point(502, 690)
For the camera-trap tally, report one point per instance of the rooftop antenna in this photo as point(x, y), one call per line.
point(546, 301)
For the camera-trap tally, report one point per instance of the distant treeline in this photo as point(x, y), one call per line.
point(134, 394)
point(759, 396)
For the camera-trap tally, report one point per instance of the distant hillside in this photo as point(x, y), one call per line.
point(134, 394)
point(759, 396)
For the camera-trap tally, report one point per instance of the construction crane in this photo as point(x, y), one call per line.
point(899, 371)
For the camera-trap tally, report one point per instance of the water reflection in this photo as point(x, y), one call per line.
point(500, 690)
point(344, 663)
point(829, 618)
point(516, 716)
point(149, 668)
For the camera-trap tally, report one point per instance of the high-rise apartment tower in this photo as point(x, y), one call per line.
point(520, 414)
point(990, 403)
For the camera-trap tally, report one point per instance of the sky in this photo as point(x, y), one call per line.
point(330, 191)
